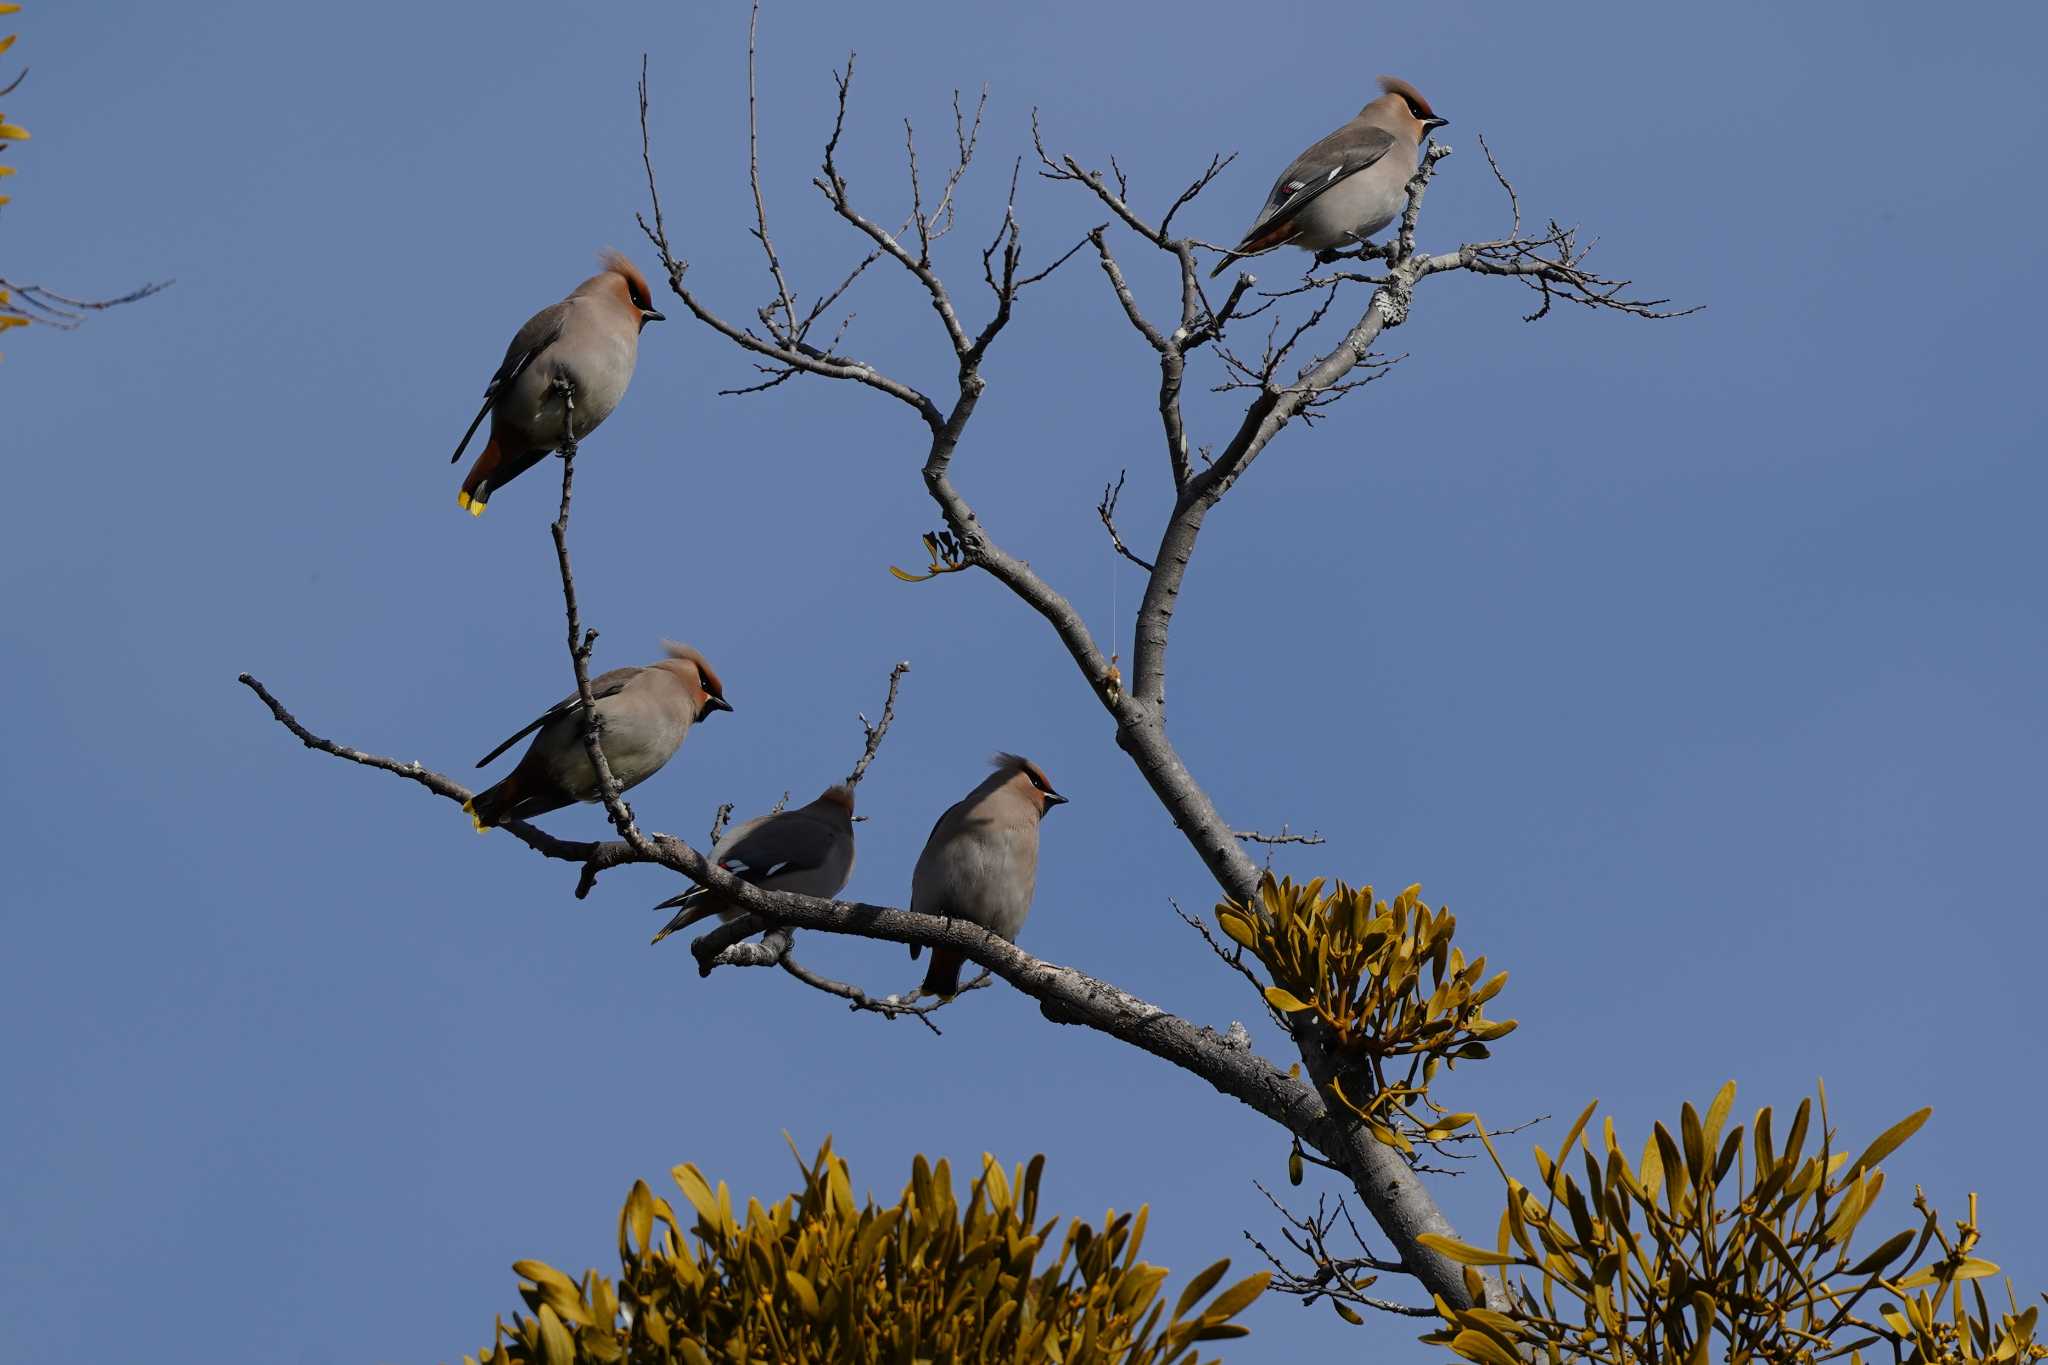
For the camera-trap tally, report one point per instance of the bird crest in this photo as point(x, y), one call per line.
point(1016, 763)
point(618, 263)
point(689, 654)
point(1394, 85)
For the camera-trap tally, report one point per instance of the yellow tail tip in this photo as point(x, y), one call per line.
point(469, 809)
point(476, 507)
point(462, 500)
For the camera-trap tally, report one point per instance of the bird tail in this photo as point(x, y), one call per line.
point(509, 800)
point(943, 977)
point(486, 808)
point(693, 905)
point(1279, 234)
point(477, 485)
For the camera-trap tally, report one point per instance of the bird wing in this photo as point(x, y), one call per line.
point(541, 331)
point(949, 823)
point(697, 894)
point(793, 841)
point(755, 851)
point(603, 685)
point(1336, 158)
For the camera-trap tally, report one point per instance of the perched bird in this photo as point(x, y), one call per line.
point(981, 862)
point(1348, 186)
point(591, 339)
point(642, 716)
point(808, 850)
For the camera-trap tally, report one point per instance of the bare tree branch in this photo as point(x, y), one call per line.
point(1067, 995)
point(582, 641)
point(595, 857)
point(788, 327)
point(873, 734)
point(1328, 1275)
point(773, 950)
point(1106, 509)
point(1232, 957)
point(1252, 836)
point(64, 312)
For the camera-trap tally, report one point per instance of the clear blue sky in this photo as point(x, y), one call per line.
point(1699, 666)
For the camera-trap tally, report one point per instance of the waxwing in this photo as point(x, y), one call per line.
point(981, 862)
point(643, 715)
point(1348, 186)
point(808, 850)
point(591, 339)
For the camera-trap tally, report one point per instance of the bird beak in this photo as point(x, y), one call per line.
point(716, 704)
point(1053, 799)
point(652, 315)
point(1430, 123)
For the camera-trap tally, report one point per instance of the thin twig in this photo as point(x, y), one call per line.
point(595, 857)
point(788, 331)
point(581, 641)
point(1106, 509)
point(1330, 1276)
point(64, 312)
point(873, 733)
point(888, 1006)
point(647, 155)
point(1252, 836)
point(1230, 957)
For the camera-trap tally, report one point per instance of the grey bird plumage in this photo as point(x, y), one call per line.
point(1349, 185)
point(981, 862)
point(644, 714)
point(808, 851)
point(590, 339)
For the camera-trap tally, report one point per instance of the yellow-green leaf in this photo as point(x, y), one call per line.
point(806, 1297)
point(1446, 1125)
point(1476, 1345)
point(1282, 999)
point(1717, 1114)
point(544, 1275)
point(1884, 1255)
point(1237, 1298)
point(1585, 1117)
point(1458, 1251)
point(1200, 1285)
point(638, 1217)
point(697, 1192)
point(557, 1347)
point(1889, 1141)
